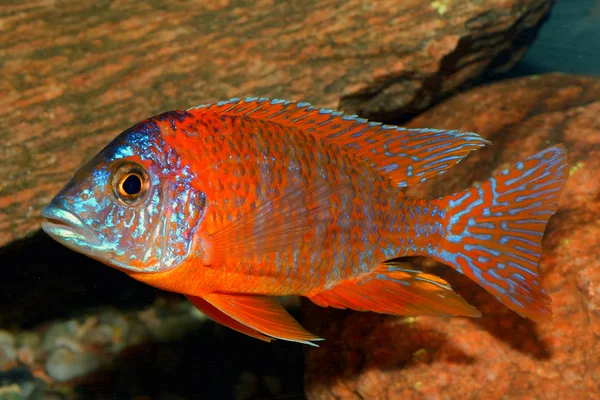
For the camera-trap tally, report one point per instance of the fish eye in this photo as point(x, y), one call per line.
point(130, 183)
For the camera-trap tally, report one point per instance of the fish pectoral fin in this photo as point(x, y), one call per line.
point(220, 317)
point(276, 225)
point(262, 317)
point(398, 289)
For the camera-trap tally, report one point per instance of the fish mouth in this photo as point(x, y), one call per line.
point(67, 228)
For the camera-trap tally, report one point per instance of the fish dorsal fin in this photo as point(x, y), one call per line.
point(407, 156)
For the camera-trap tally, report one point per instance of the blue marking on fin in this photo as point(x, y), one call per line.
point(522, 268)
point(459, 201)
point(390, 168)
point(538, 194)
point(515, 211)
point(479, 247)
point(386, 278)
point(524, 175)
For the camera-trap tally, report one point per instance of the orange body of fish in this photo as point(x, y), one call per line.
point(235, 202)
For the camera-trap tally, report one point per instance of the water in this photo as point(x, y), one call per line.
point(210, 361)
point(569, 41)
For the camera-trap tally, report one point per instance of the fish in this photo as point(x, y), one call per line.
point(236, 203)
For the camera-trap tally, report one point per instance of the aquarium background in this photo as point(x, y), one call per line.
point(73, 328)
point(568, 41)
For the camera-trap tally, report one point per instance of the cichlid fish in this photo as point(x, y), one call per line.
point(235, 202)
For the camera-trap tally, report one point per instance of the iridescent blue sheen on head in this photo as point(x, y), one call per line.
point(153, 235)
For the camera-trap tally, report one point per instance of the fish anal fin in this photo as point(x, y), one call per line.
point(407, 156)
point(262, 314)
point(398, 289)
point(219, 317)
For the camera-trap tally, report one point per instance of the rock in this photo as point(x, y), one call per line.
point(172, 324)
point(76, 348)
point(274, 385)
point(8, 353)
point(11, 392)
point(77, 74)
point(246, 387)
point(499, 355)
point(67, 363)
point(59, 331)
point(17, 381)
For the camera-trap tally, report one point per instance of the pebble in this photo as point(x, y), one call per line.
point(57, 331)
point(274, 385)
point(8, 353)
point(246, 387)
point(64, 364)
point(11, 392)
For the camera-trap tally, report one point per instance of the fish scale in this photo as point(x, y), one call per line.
point(251, 198)
point(375, 232)
point(268, 147)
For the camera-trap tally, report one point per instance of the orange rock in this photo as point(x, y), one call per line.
point(75, 74)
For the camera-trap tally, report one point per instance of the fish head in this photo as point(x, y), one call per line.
point(135, 206)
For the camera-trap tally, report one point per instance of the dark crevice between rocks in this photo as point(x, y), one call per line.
point(43, 281)
point(212, 363)
point(44, 285)
point(429, 93)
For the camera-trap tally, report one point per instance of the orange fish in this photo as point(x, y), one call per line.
point(235, 202)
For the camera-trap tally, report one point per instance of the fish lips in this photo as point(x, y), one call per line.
point(68, 229)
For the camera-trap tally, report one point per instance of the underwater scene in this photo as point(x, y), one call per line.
point(300, 200)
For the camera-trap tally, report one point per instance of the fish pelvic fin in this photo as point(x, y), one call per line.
point(397, 289)
point(260, 317)
point(493, 231)
point(221, 318)
point(407, 156)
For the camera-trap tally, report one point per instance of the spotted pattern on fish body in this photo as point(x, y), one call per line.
point(352, 231)
point(253, 198)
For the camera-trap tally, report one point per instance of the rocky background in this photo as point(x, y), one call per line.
point(75, 74)
point(500, 355)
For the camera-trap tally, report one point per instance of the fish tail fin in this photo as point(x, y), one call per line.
point(493, 231)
